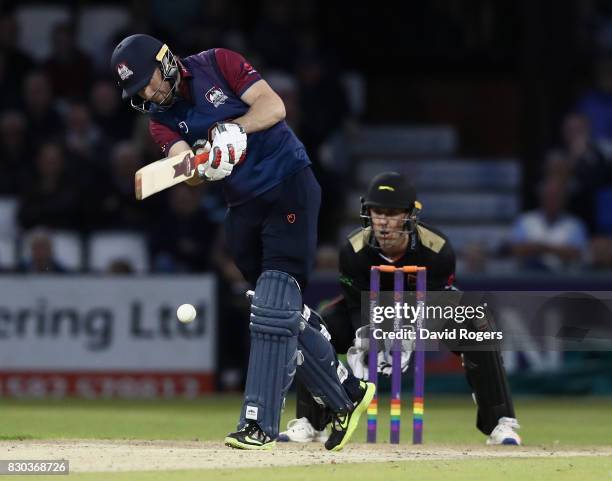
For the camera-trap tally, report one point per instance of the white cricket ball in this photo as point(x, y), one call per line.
point(186, 313)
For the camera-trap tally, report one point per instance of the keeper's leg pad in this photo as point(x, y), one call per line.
point(275, 324)
point(321, 372)
point(487, 377)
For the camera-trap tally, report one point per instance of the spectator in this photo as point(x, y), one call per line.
point(43, 119)
point(120, 266)
point(549, 238)
point(286, 87)
point(580, 164)
point(15, 63)
point(601, 254)
point(41, 259)
point(558, 164)
point(323, 109)
point(590, 171)
point(14, 147)
point(275, 24)
point(83, 139)
point(323, 102)
point(51, 196)
point(69, 69)
point(474, 258)
point(176, 242)
point(117, 123)
point(596, 104)
point(114, 205)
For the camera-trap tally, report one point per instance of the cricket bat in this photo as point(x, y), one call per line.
point(164, 173)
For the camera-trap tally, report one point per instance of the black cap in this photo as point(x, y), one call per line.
point(390, 190)
point(134, 61)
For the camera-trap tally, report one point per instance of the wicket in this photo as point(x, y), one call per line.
point(396, 369)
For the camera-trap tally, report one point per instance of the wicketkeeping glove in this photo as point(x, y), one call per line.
point(357, 355)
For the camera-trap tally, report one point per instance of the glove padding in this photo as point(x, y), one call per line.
point(228, 148)
point(357, 359)
point(357, 355)
point(201, 146)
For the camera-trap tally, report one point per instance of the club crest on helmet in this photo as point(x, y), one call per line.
point(124, 71)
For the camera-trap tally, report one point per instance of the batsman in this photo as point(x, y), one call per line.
point(392, 234)
point(216, 103)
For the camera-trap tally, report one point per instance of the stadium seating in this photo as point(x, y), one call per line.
point(107, 247)
point(36, 23)
point(67, 248)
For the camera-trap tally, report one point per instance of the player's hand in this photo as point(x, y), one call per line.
point(357, 361)
point(229, 144)
point(201, 149)
point(385, 361)
point(357, 355)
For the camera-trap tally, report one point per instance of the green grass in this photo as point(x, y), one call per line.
point(558, 422)
point(557, 469)
point(555, 422)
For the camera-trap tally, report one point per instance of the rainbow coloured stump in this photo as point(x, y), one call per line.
point(396, 368)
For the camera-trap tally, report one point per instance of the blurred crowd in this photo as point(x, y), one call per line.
point(570, 230)
point(71, 147)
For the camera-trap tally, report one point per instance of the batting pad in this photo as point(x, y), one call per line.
point(321, 372)
point(275, 323)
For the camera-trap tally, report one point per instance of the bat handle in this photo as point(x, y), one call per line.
point(200, 158)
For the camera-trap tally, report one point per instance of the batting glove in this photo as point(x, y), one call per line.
point(229, 144)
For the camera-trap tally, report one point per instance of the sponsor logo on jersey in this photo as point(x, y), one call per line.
point(215, 96)
point(124, 71)
point(183, 127)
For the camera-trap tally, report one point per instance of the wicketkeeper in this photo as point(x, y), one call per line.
point(392, 234)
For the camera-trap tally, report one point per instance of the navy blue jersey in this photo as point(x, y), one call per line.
point(212, 83)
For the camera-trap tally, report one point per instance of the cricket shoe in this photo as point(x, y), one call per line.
point(251, 436)
point(301, 431)
point(343, 425)
point(504, 433)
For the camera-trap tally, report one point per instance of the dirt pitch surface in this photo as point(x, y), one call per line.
point(104, 456)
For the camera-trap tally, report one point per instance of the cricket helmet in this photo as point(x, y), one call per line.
point(391, 190)
point(133, 63)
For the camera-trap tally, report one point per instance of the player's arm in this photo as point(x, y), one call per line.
point(442, 275)
point(171, 143)
point(266, 108)
point(351, 284)
point(178, 147)
point(229, 139)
